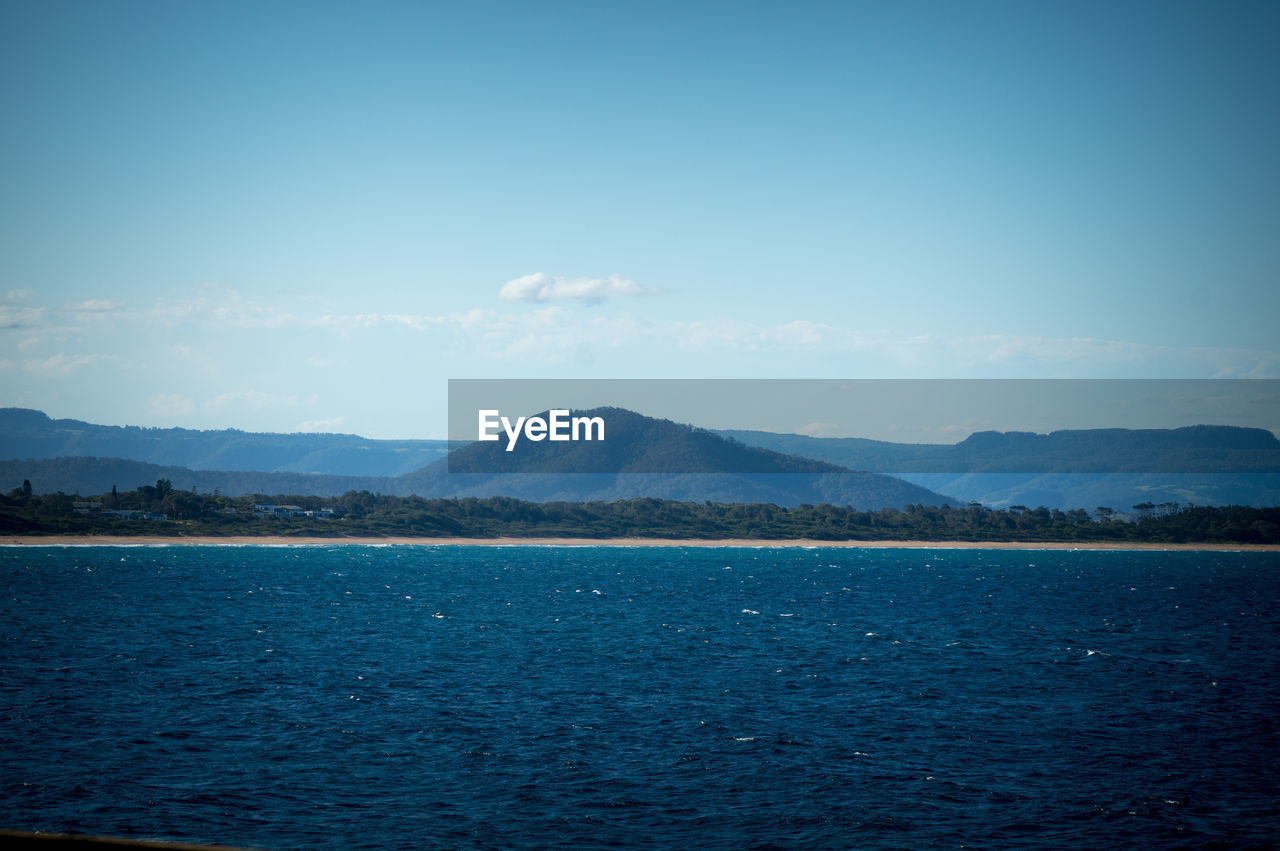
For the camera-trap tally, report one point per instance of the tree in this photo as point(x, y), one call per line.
point(26, 487)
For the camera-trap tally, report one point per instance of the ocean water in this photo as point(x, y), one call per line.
point(412, 697)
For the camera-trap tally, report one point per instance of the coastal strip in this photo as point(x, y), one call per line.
point(283, 540)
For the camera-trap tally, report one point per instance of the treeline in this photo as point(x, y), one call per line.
point(364, 514)
point(94, 475)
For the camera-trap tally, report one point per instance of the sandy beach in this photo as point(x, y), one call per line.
point(279, 540)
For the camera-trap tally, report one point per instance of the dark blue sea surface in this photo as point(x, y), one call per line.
point(527, 697)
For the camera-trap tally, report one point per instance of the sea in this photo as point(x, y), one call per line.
point(454, 697)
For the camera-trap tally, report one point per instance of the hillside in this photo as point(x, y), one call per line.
point(636, 444)
point(647, 457)
point(1193, 449)
point(1201, 465)
point(650, 457)
point(31, 434)
point(658, 459)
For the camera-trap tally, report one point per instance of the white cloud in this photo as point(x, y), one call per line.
point(553, 335)
point(254, 399)
point(60, 364)
point(222, 307)
point(1133, 359)
point(329, 425)
point(345, 322)
point(820, 429)
point(798, 335)
point(543, 287)
point(93, 306)
point(169, 404)
point(16, 318)
point(993, 355)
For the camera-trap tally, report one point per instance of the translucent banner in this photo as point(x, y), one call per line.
point(819, 426)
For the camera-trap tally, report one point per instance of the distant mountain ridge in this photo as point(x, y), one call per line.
point(1204, 465)
point(1191, 449)
point(26, 433)
point(1086, 468)
point(644, 457)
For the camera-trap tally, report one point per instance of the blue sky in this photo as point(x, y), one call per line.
point(308, 216)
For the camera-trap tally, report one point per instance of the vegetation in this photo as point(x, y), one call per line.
point(365, 514)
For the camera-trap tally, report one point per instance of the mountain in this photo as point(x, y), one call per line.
point(1120, 468)
point(636, 444)
point(1202, 465)
point(31, 434)
point(644, 457)
point(1193, 449)
point(1121, 491)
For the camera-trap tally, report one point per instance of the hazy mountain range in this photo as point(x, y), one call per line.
point(1194, 449)
point(25, 433)
point(1064, 469)
point(657, 458)
point(1084, 468)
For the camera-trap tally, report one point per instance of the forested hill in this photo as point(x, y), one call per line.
point(1194, 449)
point(648, 457)
point(31, 434)
point(635, 444)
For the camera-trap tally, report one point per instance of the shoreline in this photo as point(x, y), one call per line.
point(282, 540)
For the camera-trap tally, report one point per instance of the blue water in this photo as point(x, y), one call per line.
point(442, 697)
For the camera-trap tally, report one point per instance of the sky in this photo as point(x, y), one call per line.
point(291, 216)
